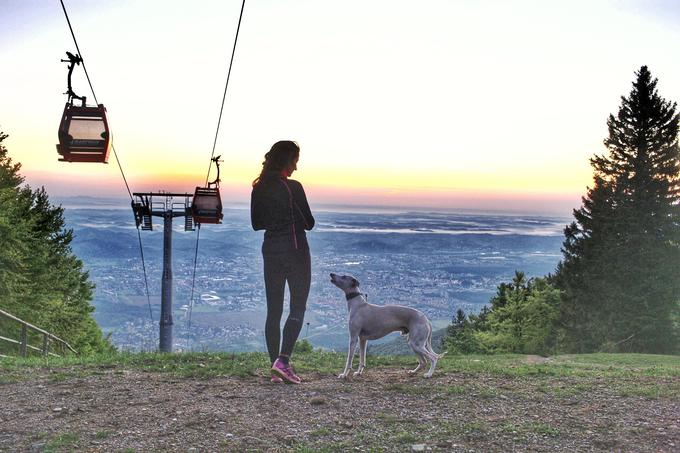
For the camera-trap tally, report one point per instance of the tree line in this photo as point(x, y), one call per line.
point(41, 280)
point(617, 287)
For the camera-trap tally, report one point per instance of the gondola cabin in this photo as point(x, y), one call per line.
point(207, 205)
point(84, 134)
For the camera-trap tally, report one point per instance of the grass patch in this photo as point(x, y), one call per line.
point(60, 377)
point(320, 432)
point(456, 390)
point(326, 448)
point(650, 391)
point(405, 438)
point(531, 427)
point(475, 426)
point(387, 418)
point(565, 391)
point(9, 379)
point(623, 365)
point(206, 365)
point(487, 393)
point(542, 428)
point(306, 449)
point(581, 365)
point(510, 428)
point(61, 442)
point(196, 364)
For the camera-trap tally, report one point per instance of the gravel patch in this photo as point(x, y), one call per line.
point(384, 410)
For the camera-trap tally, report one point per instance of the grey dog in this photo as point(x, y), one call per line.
point(370, 322)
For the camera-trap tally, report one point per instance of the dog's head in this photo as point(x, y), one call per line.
point(344, 282)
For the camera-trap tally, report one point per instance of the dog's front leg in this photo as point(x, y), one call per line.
point(363, 343)
point(350, 355)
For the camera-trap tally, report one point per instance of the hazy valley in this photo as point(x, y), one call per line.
point(436, 262)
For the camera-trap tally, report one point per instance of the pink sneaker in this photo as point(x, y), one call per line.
point(276, 380)
point(285, 372)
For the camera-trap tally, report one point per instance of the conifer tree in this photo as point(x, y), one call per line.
point(41, 281)
point(11, 247)
point(621, 255)
point(521, 319)
point(459, 335)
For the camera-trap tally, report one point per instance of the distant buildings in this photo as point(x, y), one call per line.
point(436, 273)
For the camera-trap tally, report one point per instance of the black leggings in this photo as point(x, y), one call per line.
point(295, 268)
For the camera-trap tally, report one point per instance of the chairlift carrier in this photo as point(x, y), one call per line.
point(206, 206)
point(83, 131)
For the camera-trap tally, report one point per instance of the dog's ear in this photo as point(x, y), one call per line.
point(355, 283)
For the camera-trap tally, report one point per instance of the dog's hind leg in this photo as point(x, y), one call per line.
point(363, 344)
point(433, 356)
point(421, 363)
point(428, 342)
point(433, 364)
point(421, 349)
point(428, 346)
point(421, 358)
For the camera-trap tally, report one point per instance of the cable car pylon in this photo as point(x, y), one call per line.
point(146, 205)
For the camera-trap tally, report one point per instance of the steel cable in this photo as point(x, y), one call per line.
point(212, 154)
point(127, 186)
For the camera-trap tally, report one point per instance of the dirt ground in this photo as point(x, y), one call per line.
point(384, 410)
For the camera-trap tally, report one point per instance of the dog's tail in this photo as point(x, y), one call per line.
point(431, 351)
point(428, 346)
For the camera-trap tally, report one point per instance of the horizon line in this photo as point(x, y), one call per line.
point(110, 202)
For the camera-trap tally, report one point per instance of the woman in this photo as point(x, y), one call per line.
point(279, 206)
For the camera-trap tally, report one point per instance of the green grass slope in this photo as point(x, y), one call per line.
point(198, 364)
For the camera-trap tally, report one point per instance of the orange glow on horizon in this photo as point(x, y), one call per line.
point(409, 194)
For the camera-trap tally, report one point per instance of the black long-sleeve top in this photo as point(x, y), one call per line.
point(279, 206)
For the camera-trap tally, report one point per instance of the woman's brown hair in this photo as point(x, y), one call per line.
point(279, 157)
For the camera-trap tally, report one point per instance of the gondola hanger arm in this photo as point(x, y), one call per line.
point(73, 60)
point(217, 180)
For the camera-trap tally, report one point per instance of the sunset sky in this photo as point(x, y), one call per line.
point(446, 104)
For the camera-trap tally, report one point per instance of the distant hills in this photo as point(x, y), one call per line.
point(435, 262)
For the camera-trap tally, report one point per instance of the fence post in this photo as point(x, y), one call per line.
point(45, 345)
point(24, 341)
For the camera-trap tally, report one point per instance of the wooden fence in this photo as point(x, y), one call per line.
point(25, 347)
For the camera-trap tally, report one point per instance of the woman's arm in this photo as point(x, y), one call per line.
point(300, 200)
point(256, 212)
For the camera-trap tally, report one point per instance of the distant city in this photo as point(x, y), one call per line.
point(436, 262)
